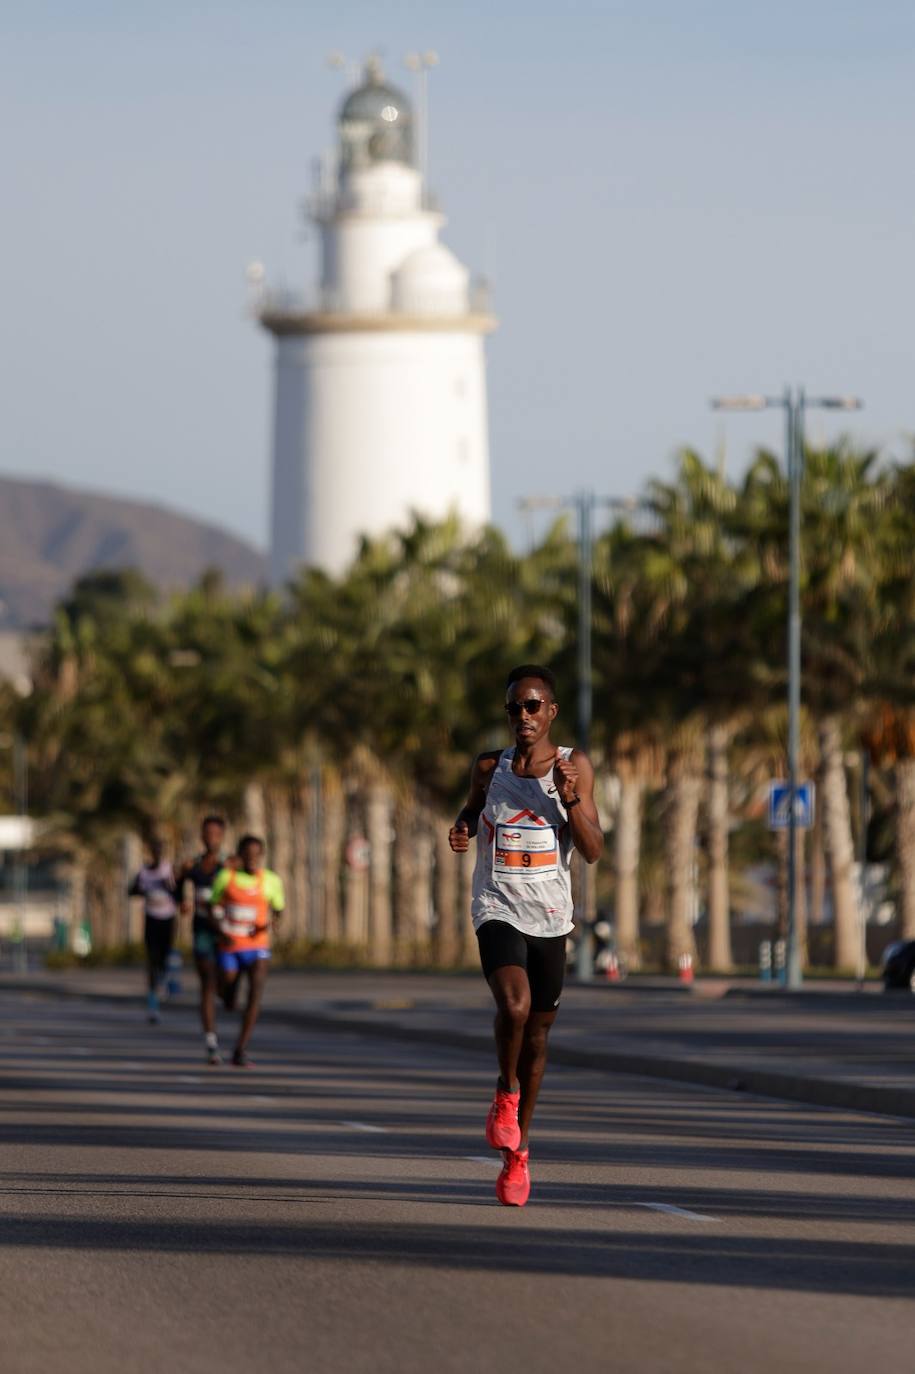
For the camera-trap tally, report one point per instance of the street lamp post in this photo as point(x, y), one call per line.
point(584, 504)
point(794, 405)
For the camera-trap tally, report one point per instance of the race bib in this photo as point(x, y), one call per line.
point(525, 853)
point(203, 896)
point(239, 918)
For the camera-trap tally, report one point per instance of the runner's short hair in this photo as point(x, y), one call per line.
point(250, 839)
point(213, 820)
point(545, 675)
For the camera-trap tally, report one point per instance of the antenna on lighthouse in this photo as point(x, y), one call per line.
point(421, 63)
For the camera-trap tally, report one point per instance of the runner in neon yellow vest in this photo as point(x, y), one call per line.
point(246, 903)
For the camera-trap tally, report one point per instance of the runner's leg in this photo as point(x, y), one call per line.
point(503, 953)
point(257, 977)
point(228, 983)
point(206, 972)
point(512, 992)
point(157, 935)
point(546, 971)
point(531, 1064)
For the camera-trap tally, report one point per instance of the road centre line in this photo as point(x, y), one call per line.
point(670, 1210)
point(364, 1126)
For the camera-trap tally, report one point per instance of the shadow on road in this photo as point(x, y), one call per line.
point(799, 1265)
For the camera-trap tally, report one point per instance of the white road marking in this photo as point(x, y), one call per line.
point(484, 1159)
point(364, 1126)
point(675, 1211)
point(188, 1078)
point(265, 1100)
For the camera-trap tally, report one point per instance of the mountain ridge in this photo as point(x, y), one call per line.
point(50, 534)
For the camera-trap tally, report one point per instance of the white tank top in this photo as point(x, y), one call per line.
point(524, 848)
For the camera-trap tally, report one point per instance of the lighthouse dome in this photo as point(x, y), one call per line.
point(431, 281)
point(376, 122)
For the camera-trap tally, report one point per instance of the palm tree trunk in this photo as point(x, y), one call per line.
point(379, 812)
point(279, 844)
point(905, 845)
point(333, 830)
point(299, 887)
point(405, 875)
point(839, 846)
point(131, 859)
point(817, 866)
point(254, 811)
point(468, 949)
point(102, 895)
point(781, 886)
point(79, 910)
point(719, 897)
point(421, 904)
point(684, 791)
point(800, 895)
point(446, 899)
point(627, 846)
point(356, 880)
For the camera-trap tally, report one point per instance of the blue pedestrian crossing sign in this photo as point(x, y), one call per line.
point(780, 805)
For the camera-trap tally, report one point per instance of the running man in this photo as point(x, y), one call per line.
point(201, 873)
point(245, 902)
point(156, 884)
point(536, 802)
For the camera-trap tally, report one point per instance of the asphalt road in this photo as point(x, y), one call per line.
point(333, 1210)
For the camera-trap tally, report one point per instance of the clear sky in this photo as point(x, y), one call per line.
point(671, 197)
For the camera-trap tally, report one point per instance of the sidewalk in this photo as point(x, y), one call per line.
point(830, 1047)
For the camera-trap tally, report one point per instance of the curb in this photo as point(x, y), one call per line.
point(816, 1092)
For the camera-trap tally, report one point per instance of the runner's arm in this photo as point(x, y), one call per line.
point(220, 884)
point(468, 819)
point(574, 777)
point(183, 876)
point(277, 898)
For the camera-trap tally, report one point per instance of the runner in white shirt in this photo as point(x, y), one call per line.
point(529, 807)
point(157, 885)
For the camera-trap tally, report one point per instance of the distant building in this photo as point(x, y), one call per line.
point(380, 401)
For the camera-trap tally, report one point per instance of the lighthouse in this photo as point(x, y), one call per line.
point(380, 382)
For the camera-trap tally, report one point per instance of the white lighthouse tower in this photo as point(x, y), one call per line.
point(380, 403)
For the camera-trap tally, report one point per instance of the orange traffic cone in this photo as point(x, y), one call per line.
point(613, 969)
point(685, 968)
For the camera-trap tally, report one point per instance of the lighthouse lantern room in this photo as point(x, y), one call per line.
point(380, 401)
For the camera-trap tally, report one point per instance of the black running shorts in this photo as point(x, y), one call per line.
point(159, 938)
point(543, 957)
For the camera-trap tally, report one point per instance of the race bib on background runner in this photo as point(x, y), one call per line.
point(240, 919)
point(524, 853)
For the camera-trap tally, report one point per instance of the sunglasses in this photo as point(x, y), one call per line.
point(532, 705)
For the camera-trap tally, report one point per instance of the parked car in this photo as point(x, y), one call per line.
point(899, 965)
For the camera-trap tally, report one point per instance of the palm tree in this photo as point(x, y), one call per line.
point(844, 505)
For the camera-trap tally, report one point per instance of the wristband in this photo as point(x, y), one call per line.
point(574, 802)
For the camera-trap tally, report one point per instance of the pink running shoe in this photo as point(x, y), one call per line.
point(502, 1129)
point(513, 1186)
